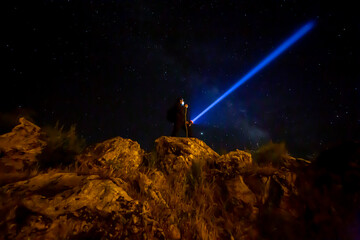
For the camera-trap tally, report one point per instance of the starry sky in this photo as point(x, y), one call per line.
point(114, 68)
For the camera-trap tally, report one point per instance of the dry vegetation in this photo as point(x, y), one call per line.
point(197, 204)
point(62, 146)
point(220, 198)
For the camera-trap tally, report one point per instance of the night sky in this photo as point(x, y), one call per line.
point(115, 67)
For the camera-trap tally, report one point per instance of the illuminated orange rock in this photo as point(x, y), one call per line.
point(116, 153)
point(70, 206)
point(18, 150)
point(114, 190)
point(175, 154)
point(232, 162)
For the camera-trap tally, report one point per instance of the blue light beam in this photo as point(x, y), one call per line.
point(285, 45)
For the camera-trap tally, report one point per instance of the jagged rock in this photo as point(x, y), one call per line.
point(238, 158)
point(21, 145)
point(116, 153)
point(237, 188)
point(18, 150)
point(24, 137)
point(263, 186)
point(259, 185)
point(174, 232)
point(158, 178)
point(175, 154)
point(231, 163)
point(148, 188)
point(65, 205)
point(292, 163)
point(192, 191)
point(241, 200)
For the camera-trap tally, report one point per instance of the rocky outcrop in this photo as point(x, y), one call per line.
point(20, 147)
point(233, 162)
point(65, 205)
point(116, 153)
point(18, 151)
point(182, 190)
point(177, 154)
point(150, 189)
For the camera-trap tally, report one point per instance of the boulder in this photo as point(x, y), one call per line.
point(239, 190)
point(150, 190)
point(18, 150)
point(241, 201)
point(116, 153)
point(175, 154)
point(231, 163)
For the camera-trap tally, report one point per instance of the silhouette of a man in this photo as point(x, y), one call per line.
point(179, 115)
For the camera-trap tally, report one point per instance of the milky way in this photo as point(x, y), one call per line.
point(115, 67)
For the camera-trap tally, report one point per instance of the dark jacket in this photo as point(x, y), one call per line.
point(176, 114)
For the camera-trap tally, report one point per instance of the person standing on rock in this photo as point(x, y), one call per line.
point(179, 115)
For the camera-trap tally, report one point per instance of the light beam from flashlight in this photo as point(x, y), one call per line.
point(285, 45)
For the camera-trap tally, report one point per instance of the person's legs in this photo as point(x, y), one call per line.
point(190, 131)
point(176, 129)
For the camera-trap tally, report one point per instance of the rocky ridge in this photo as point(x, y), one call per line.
point(18, 151)
point(181, 190)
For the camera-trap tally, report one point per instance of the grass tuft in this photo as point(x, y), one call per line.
point(62, 146)
point(270, 154)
